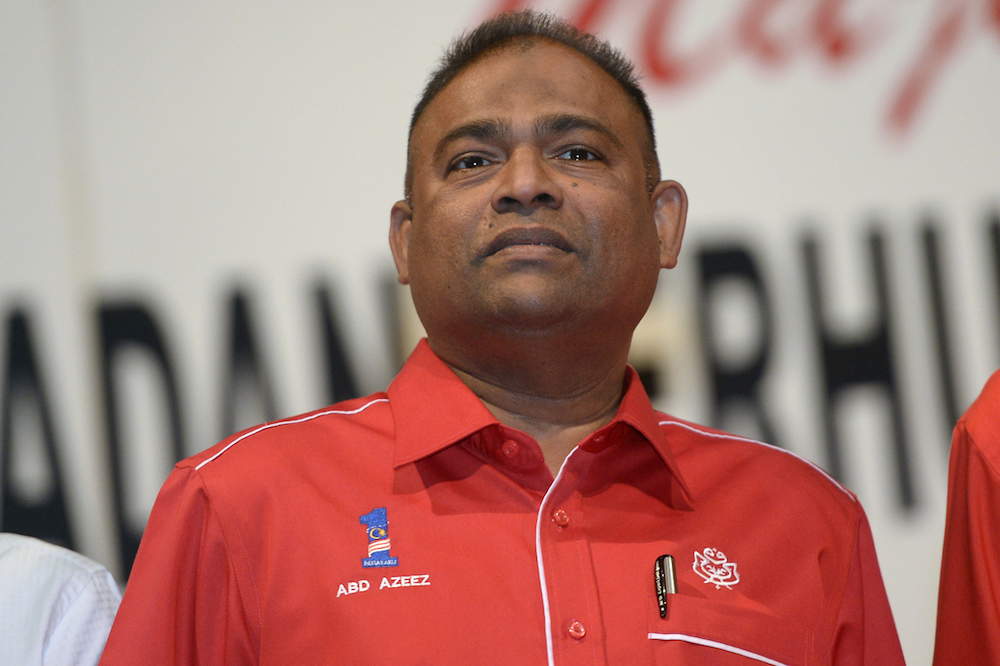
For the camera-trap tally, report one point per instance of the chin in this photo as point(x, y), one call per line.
point(538, 316)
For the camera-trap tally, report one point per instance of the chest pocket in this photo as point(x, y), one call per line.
point(699, 631)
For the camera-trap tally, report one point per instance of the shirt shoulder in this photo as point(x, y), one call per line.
point(717, 462)
point(56, 602)
point(330, 431)
point(283, 467)
point(36, 557)
point(979, 427)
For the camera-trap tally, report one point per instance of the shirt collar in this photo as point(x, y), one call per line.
point(432, 409)
point(637, 411)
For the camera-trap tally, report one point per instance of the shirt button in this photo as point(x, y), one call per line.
point(510, 448)
point(560, 518)
point(576, 630)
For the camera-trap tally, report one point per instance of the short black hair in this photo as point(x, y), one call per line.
point(503, 30)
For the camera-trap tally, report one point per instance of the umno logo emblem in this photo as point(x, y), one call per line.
point(712, 565)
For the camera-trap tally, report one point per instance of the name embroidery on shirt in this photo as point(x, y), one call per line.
point(388, 582)
point(378, 539)
point(714, 567)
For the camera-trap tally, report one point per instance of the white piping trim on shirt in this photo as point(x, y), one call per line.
point(310, 417)
point(770, 446)
point(714, 644)
point(541, 564)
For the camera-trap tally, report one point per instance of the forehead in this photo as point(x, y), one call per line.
point(527, 80)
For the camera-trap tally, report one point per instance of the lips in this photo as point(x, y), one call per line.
point(527, 236)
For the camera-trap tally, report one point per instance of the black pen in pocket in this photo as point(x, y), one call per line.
point(665, 577)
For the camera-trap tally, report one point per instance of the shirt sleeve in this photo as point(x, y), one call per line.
point(866, 632)
point(968, 622)
point(183, 603)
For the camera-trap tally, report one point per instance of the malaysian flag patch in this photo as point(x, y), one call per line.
point(377, 523)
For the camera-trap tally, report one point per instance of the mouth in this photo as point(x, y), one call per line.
point(541, 237)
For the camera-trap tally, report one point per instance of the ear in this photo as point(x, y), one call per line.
point(670, 205)
point(400, 221)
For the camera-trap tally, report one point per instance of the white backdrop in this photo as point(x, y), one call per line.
point(177, 179)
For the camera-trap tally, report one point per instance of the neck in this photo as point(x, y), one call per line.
point(558, 395)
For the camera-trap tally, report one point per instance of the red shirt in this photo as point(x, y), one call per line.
point(256, 549)
point(968, 624)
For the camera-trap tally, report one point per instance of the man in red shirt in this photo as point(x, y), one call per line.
point(968, 623)
point(513, 496)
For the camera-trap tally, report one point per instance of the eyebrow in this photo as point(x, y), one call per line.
point(499, 129)
point(561, 123)
point(486, 129)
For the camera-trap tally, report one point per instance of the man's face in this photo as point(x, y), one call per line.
point(531, 206)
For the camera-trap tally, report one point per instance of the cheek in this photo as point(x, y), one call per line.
point(447, 232)
point(627, 234)
point(436, 252)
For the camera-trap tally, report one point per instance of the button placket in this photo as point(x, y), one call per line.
point(572, 591)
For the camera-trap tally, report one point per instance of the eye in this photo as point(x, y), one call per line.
point(469, 162)
point(578, 155)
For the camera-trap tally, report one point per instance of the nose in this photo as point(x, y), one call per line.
point(525, 184)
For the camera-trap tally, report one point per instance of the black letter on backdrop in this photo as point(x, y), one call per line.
point(339, 380)
point(23, 398)
point(736, 385)
point(247, 397)
point(864, 361)
point(130, 326)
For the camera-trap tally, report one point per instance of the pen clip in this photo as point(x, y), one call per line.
point(665, 577)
